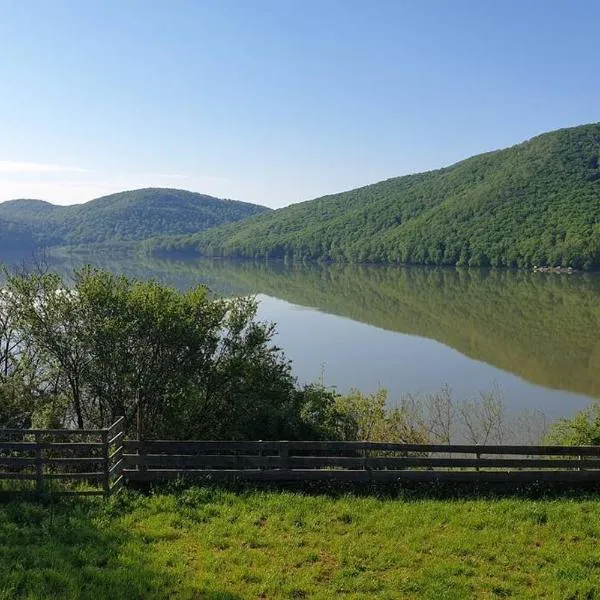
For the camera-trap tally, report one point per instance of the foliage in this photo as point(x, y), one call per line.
point(580, 430)
point(116, 219)
point(367, 417)
point(200, 367)
point(437, 418)
point(215, 544)
point(537, 203)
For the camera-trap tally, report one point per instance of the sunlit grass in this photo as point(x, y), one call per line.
point(211, 543)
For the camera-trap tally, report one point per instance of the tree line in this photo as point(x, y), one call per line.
point(537, 203)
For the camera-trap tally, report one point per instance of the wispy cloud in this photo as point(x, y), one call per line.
point(15, 167)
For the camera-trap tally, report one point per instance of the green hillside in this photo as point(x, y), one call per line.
point(116, 219)
point(535, 203)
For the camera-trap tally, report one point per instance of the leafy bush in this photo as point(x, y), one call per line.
point(200, 367)
point(580, 430)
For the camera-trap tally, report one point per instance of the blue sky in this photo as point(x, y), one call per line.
point(278, 101)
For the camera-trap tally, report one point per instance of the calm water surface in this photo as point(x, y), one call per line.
point(535, 335)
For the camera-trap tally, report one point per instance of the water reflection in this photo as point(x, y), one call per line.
point(544, 328)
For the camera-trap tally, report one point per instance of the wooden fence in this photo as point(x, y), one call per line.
point(49, 460)
point(153, 461)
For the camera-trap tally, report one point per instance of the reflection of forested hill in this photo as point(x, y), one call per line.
point(543, 327)
point(179, 274)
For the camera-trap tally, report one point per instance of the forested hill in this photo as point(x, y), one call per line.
point(116, 219)
point(535, 203)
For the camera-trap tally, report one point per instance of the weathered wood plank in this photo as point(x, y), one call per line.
point(24, 476)
point(318, 447)
point(482, 463)
point(39, 467)
point(106, 464)
point(67, 432)
point(117, 453)
point(117, 484)
point(364, 476)
point(118, 425)
point(308, 462)
point(116, 468)
point(181, 461)
point(96, 475)
point(240, 461)
point(199, 447)
point(116, 439)
point(17, 461)
point(322, 447)
point(32, 446)
point(60, 460)
point(244, 474)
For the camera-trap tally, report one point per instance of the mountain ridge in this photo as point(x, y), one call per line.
point(537, 202)
point(123, 218)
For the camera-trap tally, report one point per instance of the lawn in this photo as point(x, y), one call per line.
point(218, 544)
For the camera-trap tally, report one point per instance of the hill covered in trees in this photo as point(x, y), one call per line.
point(116, 219)
point(535, 203)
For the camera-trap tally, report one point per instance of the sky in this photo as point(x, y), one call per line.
point(279, 101)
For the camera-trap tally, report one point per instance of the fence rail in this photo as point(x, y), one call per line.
point(49, 460)
point(280, 461)
point(43, 460)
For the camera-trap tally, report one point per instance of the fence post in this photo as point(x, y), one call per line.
point(115, 460)
point(106, 462)
point(39, 468)
point(261, 456)
point(284, 455)
point(140, 433)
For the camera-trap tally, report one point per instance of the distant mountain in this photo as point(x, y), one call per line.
point(535, 203)
point(116, 219)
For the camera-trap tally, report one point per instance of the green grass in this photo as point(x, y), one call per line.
point(217, 544)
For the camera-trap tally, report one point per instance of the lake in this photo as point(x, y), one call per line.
point(535, 336)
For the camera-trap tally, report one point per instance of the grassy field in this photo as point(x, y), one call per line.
point(217, 544)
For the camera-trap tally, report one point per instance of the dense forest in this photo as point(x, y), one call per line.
point(115, 220)
point(537, 203)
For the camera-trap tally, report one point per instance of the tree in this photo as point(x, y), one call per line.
point(580, 430)
point(199, 366)
point(50, 319)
